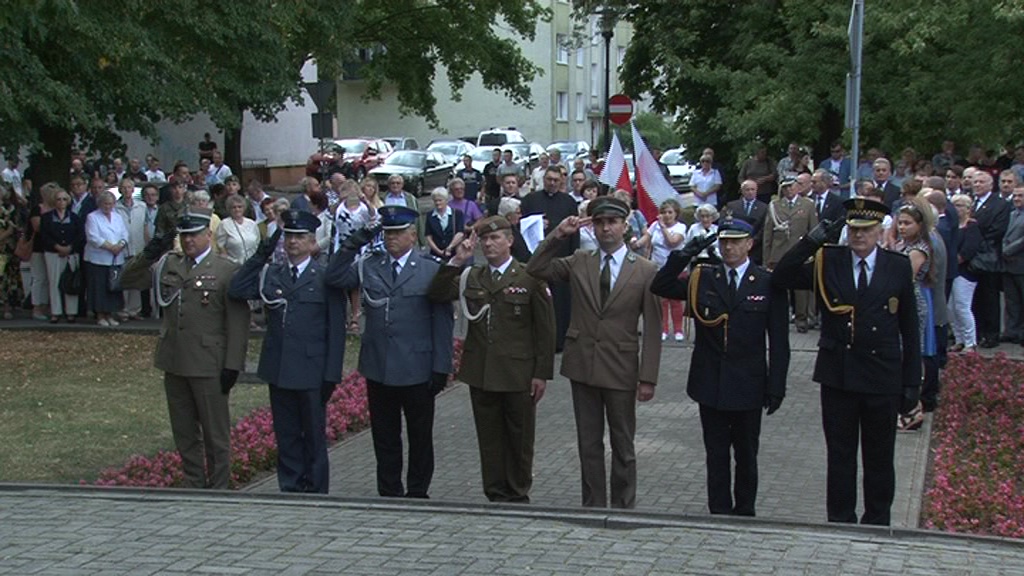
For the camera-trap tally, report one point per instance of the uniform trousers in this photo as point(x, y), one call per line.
point(200, 423)
point(387, 404)
point(505, 426)
point(727, 434)
point(848, 417)
point(300, 427)
point(590, 406)
point(805, 309)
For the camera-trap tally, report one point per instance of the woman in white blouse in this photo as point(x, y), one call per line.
point(667, 235)
point(238, 236)
point(706, 182)
point(106, 244)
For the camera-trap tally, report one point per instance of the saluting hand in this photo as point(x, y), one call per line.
point(571, 225)
point(464, 250)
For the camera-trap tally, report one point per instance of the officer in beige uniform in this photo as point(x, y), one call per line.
point(202, 343)
point(790, 216)
point(509, 353)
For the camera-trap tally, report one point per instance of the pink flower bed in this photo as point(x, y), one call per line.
point(978, 440)
point(253, 447)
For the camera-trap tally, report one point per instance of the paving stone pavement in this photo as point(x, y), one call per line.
point(96, 532)
point(670, 452)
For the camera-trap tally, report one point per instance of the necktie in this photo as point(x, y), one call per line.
point(295, 273)
point(606, 278)
point(733, 281)
point(747, 206)
point(862, 278)
point(395, 269)
point(792, 202)
point(821, 203)
point(495, 275)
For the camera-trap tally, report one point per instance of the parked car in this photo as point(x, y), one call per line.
point(570, 149)
point(679, 169)
point(353, 157)
point(422, 170)
point(402, 143)
point(530, 151)
point(452, 150)
point(496, 136)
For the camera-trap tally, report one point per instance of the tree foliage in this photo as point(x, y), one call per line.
point(77, 71)
point(736, 71)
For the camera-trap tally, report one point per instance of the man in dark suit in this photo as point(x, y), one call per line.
point(406, 351)
point(1013, 269)
point(826, 204)
point(732, 375)
point(609, 365)
point(509, 354)
point(993, 216)
point(302, 350)
point(556, 206)
point(754, 212)
point(869, 353)
point(882, 171)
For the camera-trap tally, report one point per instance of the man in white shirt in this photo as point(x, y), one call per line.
point(12, 176)
point(153, 171)
point(218, 170)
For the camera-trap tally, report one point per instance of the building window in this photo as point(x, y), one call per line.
point(579, 106)
point(562, 106)
point(621, 55)
point(595, 80)
point(562, 49)
point(579, 57)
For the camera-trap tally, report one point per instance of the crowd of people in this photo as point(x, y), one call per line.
point(893, 266)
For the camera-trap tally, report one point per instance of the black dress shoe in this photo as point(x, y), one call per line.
point(988, 343)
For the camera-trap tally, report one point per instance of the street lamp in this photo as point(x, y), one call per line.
point(609, 17)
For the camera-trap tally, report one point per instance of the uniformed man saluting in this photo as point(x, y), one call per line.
point(509, 353)
point(869, 354)
point(202, 344)
point(406, 351)
point(732, 374)
point(303, 348)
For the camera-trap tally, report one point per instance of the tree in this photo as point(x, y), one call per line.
point(656, 131)
point(76, 72)
point(735, 72)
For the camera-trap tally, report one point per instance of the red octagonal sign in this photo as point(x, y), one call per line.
point(620, 108)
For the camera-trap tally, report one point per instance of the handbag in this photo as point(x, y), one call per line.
point(70, 282)
point(985, 260)
point(114, 278)
point(23, 249)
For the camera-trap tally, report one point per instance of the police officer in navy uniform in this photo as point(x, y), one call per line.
point(406, 352)
point(302, 350)
point(732, 374)
point(869, 354)
point(202, 343)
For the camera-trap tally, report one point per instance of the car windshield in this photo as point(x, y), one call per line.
point(410, 159)
point(519, 150)
point(566, 148)
point(673, 158)
point(482, 154)
point(351, 146)
point(445, 148)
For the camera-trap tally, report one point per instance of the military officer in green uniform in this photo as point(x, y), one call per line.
point(202, 343)
point(509, 353)
point(170, 212)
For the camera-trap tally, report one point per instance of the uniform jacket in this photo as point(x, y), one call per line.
point(877, 350)
point(203, 330)
point(513, 343)
point(407, 337)
point(757, 217)
point(1013, 244)
point(732, 367)
point(305, 340)
point(602, 348)
point(779, 238)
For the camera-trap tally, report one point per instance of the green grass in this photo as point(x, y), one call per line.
point(72, 404)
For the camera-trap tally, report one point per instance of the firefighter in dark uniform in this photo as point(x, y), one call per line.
point(202, 344)
point(509, 353)
point(869, 354)
point(733, 375)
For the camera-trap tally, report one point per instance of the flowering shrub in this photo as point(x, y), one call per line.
point(978, 440)
point(253, 446)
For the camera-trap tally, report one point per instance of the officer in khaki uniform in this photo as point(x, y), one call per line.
point(202, 343)
point(509, 353)
point(790, 216)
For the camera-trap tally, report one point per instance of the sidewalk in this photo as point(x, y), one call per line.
point(670, 451)
point(69, 530)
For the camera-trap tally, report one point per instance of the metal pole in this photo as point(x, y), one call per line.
point(856, 42)
point(607, 34)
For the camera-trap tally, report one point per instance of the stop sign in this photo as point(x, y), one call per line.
point(620, 108)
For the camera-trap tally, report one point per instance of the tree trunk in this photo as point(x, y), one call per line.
point(53, 162)
point(233, 146)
